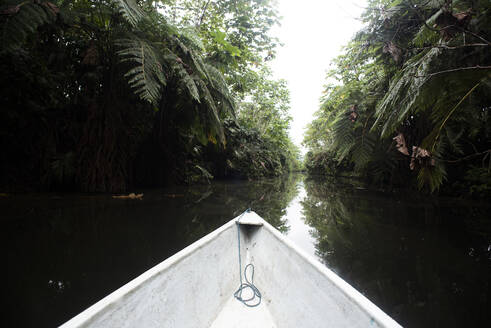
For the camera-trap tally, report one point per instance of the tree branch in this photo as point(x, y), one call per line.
point(473, 34)
point(450, 47)
point(413, 7)
point(205, 7)
point(454, 70)
point(468, 157)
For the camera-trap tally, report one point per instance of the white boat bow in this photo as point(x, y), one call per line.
point(195, 288)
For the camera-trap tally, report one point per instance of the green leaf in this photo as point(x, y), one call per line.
point(130, 10)
point(146, 78)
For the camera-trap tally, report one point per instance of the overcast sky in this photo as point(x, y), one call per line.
point(313, 33)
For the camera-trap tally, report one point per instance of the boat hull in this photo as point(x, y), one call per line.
point(195, 287)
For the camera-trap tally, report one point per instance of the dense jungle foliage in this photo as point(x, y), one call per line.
point(407, 103)
point(103, 95)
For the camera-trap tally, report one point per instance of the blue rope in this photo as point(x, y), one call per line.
point(248, 284)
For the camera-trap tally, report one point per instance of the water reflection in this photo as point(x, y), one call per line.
point(424, 261)
point(64, 252)
point(298, 231)
point(409, 256)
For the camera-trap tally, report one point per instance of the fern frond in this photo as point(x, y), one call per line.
point(205, 173)
point(130, 10)
point(382, 165)
point(195, 61)
point(431, 176)
point(343, 136)
point(146, 78)
point(192, 39)
point(211, 110)
point(404, 91)
point(344, 151)
point(190, 84)
point(426, 35)
point(221, 90)
point(453, 138)
point(441, 117)
point(363, 150)
point(24, 19)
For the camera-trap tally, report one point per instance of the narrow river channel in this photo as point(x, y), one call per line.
point(425, 261)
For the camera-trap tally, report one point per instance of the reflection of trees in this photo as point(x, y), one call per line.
point(330, 219)
point(65, 253)
point(275, 195)
point(408, 257)
point(267, 197)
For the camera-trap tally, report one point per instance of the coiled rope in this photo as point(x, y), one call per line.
point(256, 294)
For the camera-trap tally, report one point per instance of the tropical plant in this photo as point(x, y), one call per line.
point(418, 73)
point(118, 43)
point(113, 93)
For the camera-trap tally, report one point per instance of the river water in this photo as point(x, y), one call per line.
point(425, 261)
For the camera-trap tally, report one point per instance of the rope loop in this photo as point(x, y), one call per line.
point(248, 284)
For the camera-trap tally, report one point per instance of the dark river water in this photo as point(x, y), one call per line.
point(425, 261)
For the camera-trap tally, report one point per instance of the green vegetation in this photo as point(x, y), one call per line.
point(105, 95)
point(407, 103)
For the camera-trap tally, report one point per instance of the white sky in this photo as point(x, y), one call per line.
point(313, 33)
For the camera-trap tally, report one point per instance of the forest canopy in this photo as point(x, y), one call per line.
point(106, 95)
point(407, 103)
